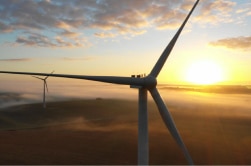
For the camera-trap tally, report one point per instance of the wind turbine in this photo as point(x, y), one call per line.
point(144, 84)
point(45, 87)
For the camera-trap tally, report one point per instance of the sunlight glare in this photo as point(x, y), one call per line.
point(204, 72)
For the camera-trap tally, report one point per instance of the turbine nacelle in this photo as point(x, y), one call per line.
point(147, 82)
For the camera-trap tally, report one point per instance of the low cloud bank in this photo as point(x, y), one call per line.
point(32, 93)
point(172, 96)
point(11, 99)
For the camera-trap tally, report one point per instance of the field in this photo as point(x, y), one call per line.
point(104, 131)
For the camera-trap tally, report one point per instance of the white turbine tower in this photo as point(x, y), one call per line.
point(143, 84)
point(45, 87)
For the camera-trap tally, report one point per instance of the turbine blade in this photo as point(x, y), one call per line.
point(49, 75)
point(46, 85)
point(167, 118)
point(37, 77)
point(162, 59)
point(107, 79)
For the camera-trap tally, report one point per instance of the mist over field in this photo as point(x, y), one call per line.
point(24, 93)
point(97, 124)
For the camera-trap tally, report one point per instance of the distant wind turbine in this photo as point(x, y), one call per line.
point(45, 87)
point(144, 84)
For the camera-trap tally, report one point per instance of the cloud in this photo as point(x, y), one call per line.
point(78, 59)
point(170, 20)
point(69, 23)
point(35, 40)
point(214, 12)
point(243, 11)
point(15, 60)
point(241, 42)
point(69, 39)
point(187, 5)
point(70, 34)
point(105, 35)
point(5, 28)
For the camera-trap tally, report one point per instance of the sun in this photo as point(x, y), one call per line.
point(204, 72)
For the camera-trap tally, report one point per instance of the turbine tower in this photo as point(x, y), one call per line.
point(45, 87)
point(143, 84)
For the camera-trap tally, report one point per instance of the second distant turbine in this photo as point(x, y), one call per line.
point(45, 87)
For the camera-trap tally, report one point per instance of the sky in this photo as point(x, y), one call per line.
point(125, 37)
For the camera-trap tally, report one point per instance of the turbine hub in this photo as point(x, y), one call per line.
point(149, 82)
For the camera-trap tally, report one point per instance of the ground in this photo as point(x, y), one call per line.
point(104, 131)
